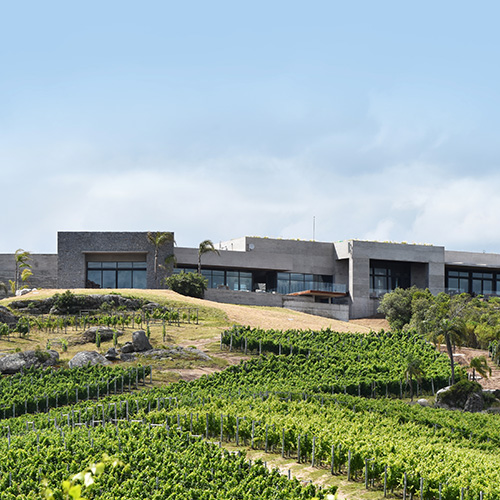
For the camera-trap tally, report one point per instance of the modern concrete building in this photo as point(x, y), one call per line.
point(343, 280)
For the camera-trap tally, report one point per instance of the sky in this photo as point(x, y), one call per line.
point(323, 119)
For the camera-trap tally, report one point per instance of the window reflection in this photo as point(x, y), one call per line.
point(116, 275)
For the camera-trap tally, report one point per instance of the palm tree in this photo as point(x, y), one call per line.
point(159, 239)
point(23, 269)
point(480, 364)
point(205, 247)
point(169, 263)
point(413, 370)
point(453, 331)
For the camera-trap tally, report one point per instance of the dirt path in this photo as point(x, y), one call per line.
point(463, 356)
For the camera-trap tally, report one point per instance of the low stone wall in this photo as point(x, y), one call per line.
point(244, 298)
point(334, 311)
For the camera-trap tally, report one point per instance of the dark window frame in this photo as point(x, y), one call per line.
point(137, 270)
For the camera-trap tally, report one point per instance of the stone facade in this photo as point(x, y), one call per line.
point(43, 266)
point(75, 249)
point(349, 266)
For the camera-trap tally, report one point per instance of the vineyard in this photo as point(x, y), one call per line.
point(334, 402)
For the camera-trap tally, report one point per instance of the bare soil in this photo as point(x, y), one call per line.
point(463, 356)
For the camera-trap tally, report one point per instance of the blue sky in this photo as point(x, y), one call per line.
point(222, 119)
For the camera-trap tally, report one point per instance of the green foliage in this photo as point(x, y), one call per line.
point(23, 269)
point(327, 361)
point(98, 340)
point(41, 389)
point(204, 247)
point(42, 356)
point(480, 364)
point(4, 329)
point(397, 307)
point(66, 302)
point(71, 489)
point(189, 284)
point(158, 240)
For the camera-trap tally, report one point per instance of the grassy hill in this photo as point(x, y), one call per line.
point(213, 318)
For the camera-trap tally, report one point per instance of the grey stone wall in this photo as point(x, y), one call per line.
point(43, 266)
point(308, 257)
point(244, 298)
point(301, 304)
point(75, 248)
point(427, 269)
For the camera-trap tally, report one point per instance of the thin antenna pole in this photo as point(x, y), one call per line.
point(314, 228)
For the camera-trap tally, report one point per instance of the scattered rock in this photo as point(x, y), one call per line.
point(127, 356)
point(169, 354)
point(141, 341)
point(151, 306)
point(111, 354)
point(423, 402)
point(7, 317)
point(84, 358)
point(128, 347)
point(13, 363)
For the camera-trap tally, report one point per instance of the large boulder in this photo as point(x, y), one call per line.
point(464, 395)
point(7, 317)
point(85, 358)
point(127, 348)
point(14, 363)
point(474, 403)
point(140, 341)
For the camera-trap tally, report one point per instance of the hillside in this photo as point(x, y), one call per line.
point(263, 317)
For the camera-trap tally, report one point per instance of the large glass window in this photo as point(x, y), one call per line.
point(388, 275)
point(245, 281)
point(223, 278)
point(473, 282)
point(116, 275)
point(297, 282)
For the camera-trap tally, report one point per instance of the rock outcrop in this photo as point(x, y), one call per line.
point(84, 358)
point(14, 363)
point(140, 343)
point(7, 317)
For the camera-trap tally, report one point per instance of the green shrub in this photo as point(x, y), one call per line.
point(190, 284)
point(4, 329)
point(66, 303)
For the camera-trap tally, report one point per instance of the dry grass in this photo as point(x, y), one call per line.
point(214, 317)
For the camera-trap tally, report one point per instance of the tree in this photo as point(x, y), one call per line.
point(205, 246)
point(190, 284)
point(23, 269)
point(413, 370)
point(158, 240)
point(453, 330)
point(480, 364)
point(396, 306)
point(169, 263)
